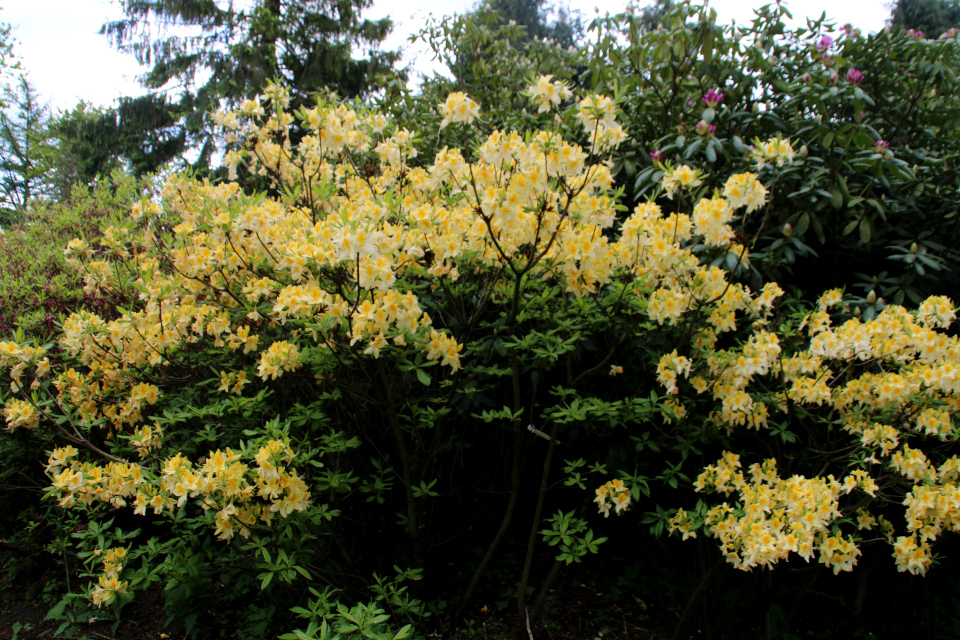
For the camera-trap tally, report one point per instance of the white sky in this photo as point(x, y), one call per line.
point(67, 60)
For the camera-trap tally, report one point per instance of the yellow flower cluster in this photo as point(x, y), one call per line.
point(223, 483)
point(672, 365)
point(109, 584)
point(547, 93)
point(931, 509)
point(17, 358)
point(891, 381)
point(731, 371)
point(743, 189)
point(912, 556)
point(774, 151)
point(775, 517)
point(146, 439)
point(86, 483)
point(458, 108)
point(681, 177)
point(613, 494)
point(597, 114)
point(281, 356)
point(233, 382)
point(20, 413)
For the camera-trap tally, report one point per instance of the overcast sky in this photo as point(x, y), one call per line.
point(59, 45)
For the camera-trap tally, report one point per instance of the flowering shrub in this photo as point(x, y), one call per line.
point(875, 117)
point(37, 290)
point(889, 381)
point(330, 366)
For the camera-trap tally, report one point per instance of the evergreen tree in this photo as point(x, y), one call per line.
point(557, 23)
point(652, 15)
point(86, 147)
point(216, 55)
point(26, 149)
point(932, 17)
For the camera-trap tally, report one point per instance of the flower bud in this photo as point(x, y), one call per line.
point(712, 98)
point(788, 229)
point(854, 77)
point(871, 297)
point(705, 129)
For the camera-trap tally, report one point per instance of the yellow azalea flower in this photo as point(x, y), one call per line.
point(458, 108)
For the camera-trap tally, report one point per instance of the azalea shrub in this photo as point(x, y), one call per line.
point(38, 289)
point(319, 395)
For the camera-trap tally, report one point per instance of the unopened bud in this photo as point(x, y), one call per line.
point(913, 248)
point(803, 151)
point(871, 297)
point(788, 229)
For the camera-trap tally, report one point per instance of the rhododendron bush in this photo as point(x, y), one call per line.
point(318, 385)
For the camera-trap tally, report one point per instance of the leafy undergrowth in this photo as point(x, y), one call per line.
point(25, 618)
point(579, 611)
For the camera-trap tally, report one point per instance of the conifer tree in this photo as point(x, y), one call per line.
point(564, 27)
point(26, 149)
point(932, 17)
point(212, 53)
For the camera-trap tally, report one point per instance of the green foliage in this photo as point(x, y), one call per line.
point(885, 213)
point(571, 535)
point(37, 288)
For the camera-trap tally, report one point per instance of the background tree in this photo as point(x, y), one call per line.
point(653, 14)
point(932, 17)
point(231, 53)
point(554, 22)
point(8, 61)
point(26, 149)
point(141, 135)
point(86, 143)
